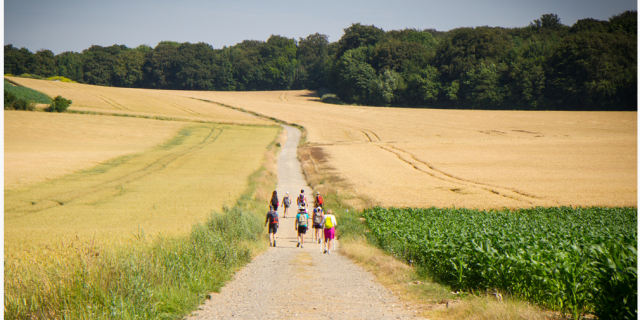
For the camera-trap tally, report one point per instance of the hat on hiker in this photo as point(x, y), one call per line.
point(287, 192)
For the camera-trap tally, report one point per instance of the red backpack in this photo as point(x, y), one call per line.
point(274, 217)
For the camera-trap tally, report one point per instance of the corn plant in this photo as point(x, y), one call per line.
point(575, 260)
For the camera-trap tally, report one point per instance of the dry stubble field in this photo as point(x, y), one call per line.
point(463, 158)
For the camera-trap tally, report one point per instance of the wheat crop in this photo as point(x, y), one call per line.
point(462, 158)
point(137, 102)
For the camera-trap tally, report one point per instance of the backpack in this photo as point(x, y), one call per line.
point(328, 223)
point(287, 201)
point(301, 198)
point(319, 200)
point(274, 217)
point(317, 219)
point(274, 202)
point(302, 219)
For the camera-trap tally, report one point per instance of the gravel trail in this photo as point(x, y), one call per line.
point(286, 281)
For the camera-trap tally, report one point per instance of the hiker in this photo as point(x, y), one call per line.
point(317, 224)
point(286, 203)
point(329, 224)
point(319, 200)
point(302, 199)
point(273, 223)
point(274, 201)
point(302, 223)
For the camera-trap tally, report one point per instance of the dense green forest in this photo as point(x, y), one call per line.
point(591, 65)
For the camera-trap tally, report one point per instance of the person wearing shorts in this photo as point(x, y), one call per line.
point(317, 224)
point(273, 223)
point(286, 203)
point(302, 223)
point(329, 224)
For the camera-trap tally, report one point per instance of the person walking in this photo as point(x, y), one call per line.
point(286, 203)
point(317, 224)
point(302, 223)
point(329, 224)
point(302, 199)
point(274, 201)
point(319, 200)
point(273, 223)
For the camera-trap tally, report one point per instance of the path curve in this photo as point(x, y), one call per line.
point(287, 281)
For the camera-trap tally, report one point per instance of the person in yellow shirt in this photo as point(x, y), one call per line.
point(329, 224)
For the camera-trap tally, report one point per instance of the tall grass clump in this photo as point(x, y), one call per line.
point(160, 277)
point(574, 260)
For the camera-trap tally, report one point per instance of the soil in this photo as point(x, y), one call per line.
point(287, 281)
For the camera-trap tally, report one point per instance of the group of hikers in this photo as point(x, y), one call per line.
point(324, 224)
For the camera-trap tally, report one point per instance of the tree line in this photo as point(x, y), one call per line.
point(591, 65)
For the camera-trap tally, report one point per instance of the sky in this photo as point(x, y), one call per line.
point(75, 25)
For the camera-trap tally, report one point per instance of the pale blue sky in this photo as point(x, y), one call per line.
point(75, 25)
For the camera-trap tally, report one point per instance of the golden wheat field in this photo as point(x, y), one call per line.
point(76, 181)
point(462, 158)
point(164, 190)
point(40, 146)
point(137, 102)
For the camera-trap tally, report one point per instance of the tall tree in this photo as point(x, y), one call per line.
point(194, 67)
point(100, 64)
point(280, 63)
point(313, 55)
point(159, 67)
point(70, 65)
point(355, 76)
point(43, 63)
point(358, 36)
point(468, 48)
point(15, 60)
point(549, 21)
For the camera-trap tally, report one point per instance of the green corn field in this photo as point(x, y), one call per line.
point(27, 94)
point(574, 260)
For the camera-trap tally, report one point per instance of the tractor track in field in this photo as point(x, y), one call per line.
point(111, 187)
point(109, 101)
point(428, 169)
point(185, 109)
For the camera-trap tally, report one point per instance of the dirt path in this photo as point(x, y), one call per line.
point(287, 281)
